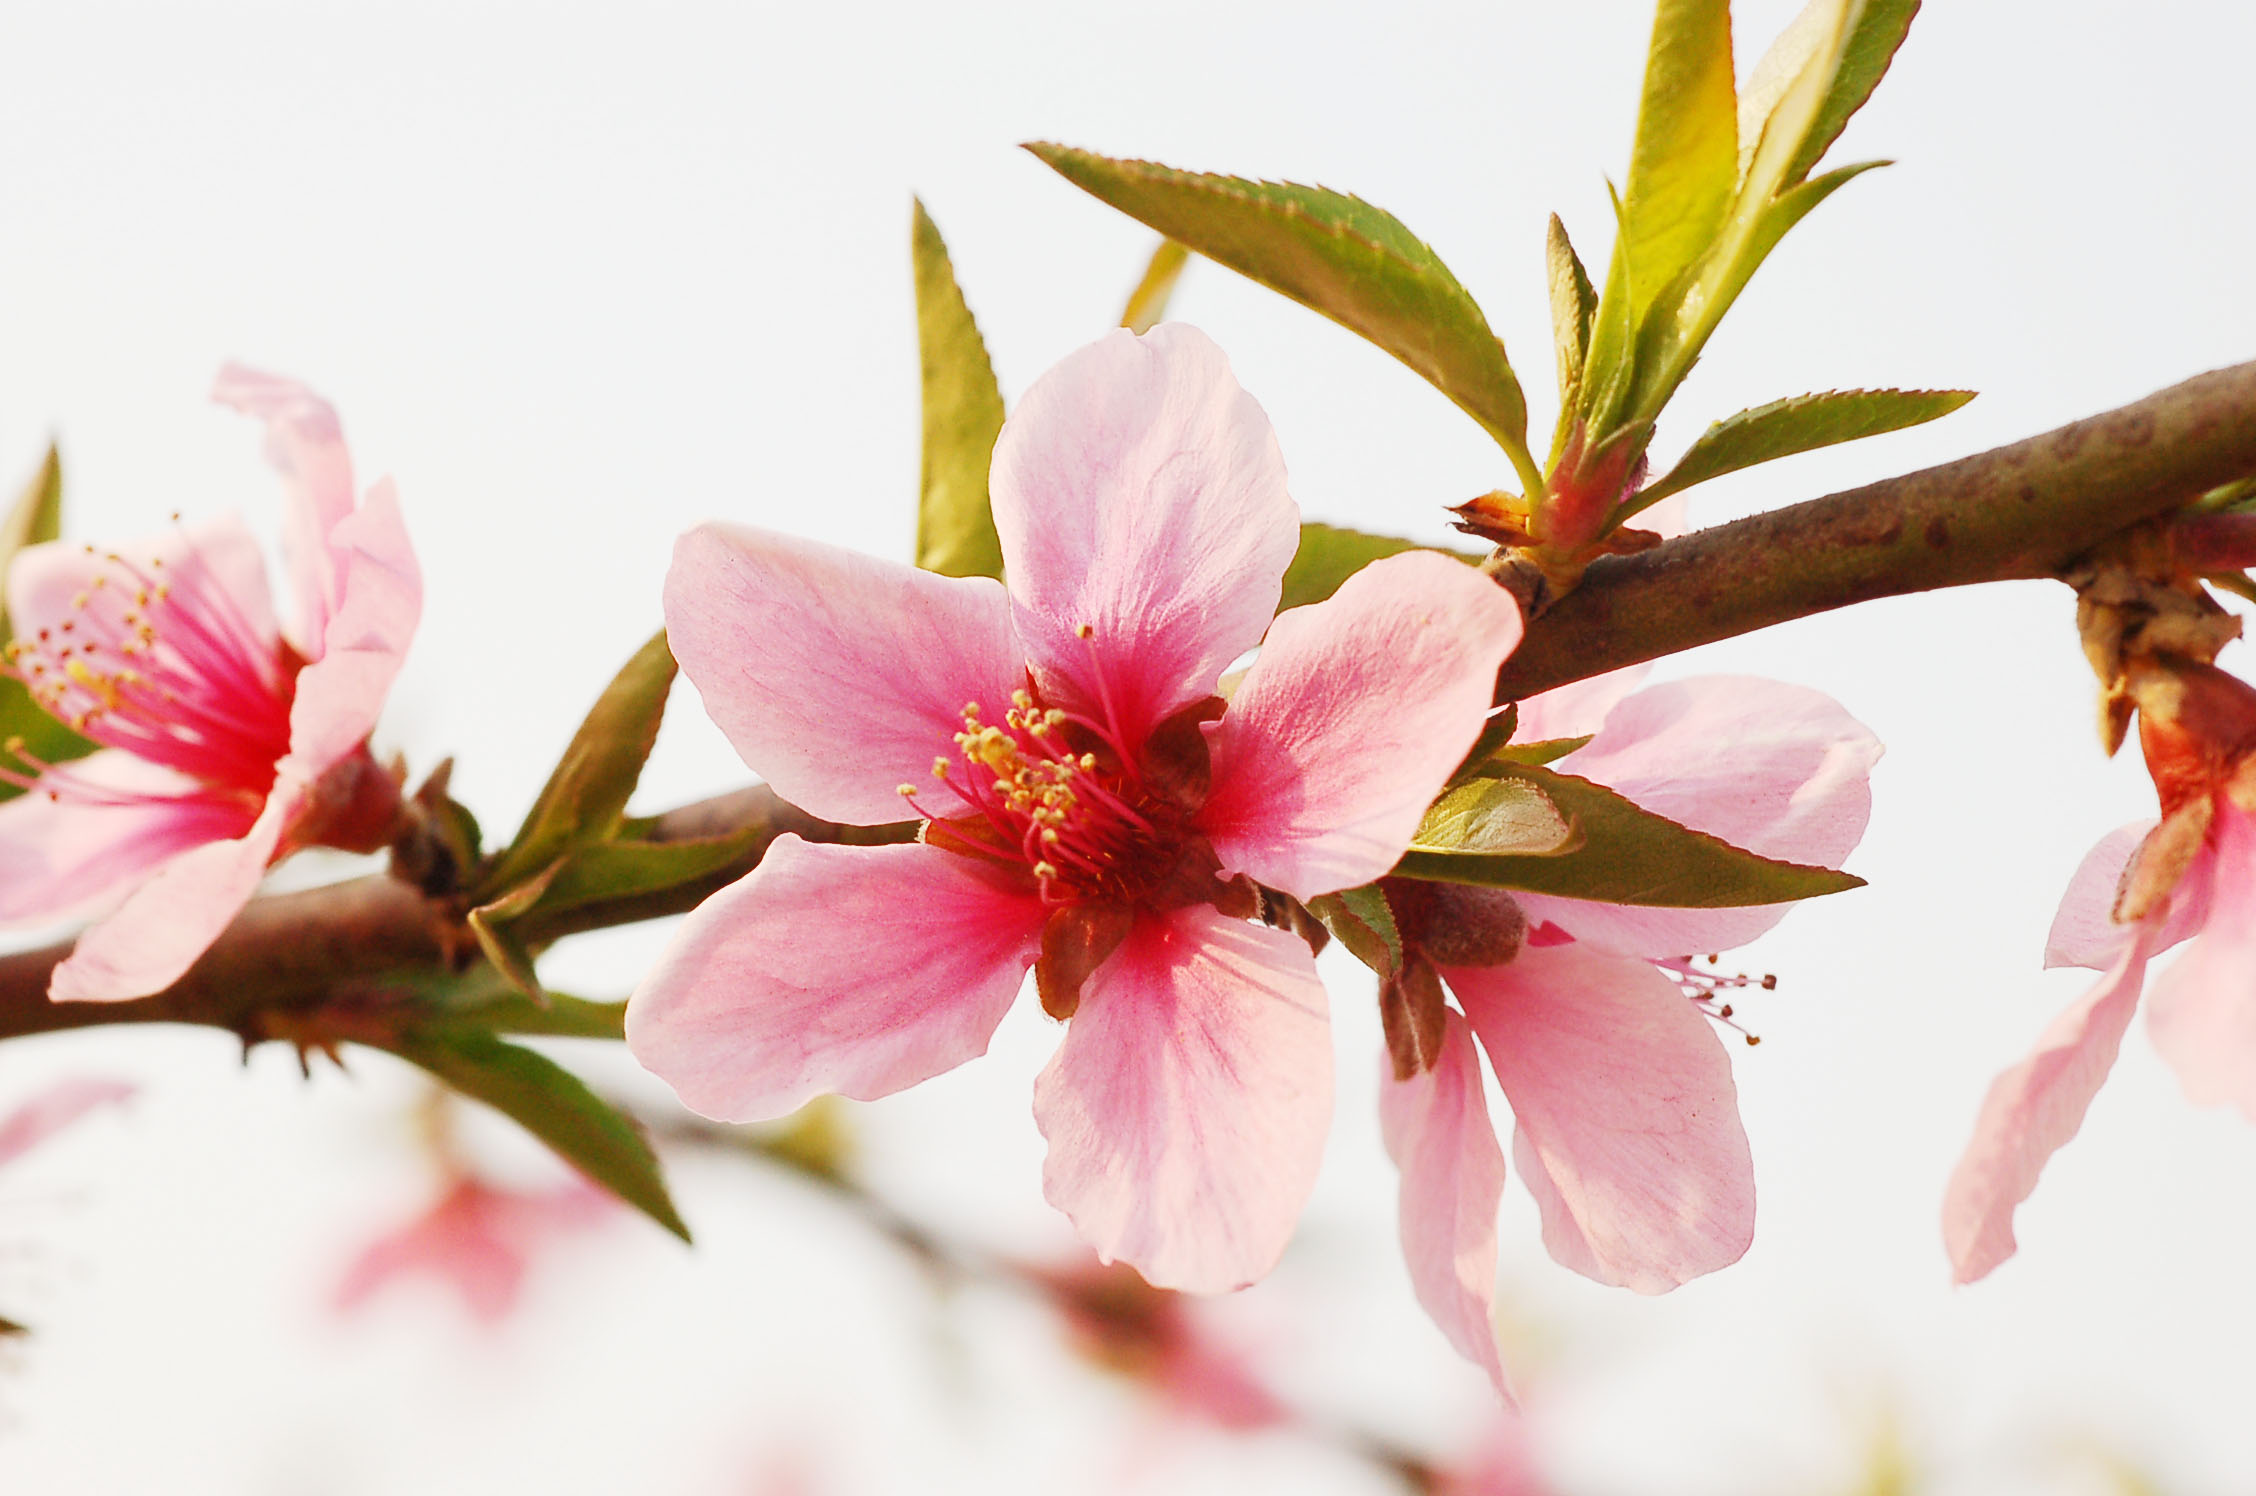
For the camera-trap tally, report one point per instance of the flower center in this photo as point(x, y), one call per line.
point(162, 663)
point(1059, 794)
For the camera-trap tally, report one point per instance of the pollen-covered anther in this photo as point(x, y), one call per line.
point(1704, 988)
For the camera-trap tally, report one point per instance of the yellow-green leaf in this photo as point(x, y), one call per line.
point(555, 1106)
point(1876, 29)
point(1329, 555)
point(1334, 254)
point(1624, 854)
point(1573, 302)
point(1497, 815)
point(1686, 159)
point(1361, 920)
point(1802, 423)
point(587, 792)
point(963, 412)
point(1147, 304)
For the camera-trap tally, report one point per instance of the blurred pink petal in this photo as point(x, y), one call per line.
point(1502, 1464)
point(2202, 1016)
point(1438, 1133)
point(1158, 1338)
point(1074, 814)
point(476, 1238)
point(1628, 1122)
point(50, 1111)
point(2032, 1110)
point(1187, 1107)
point(857, 970)
point(167, 650)
point(1141, 503)
point(1358, 706)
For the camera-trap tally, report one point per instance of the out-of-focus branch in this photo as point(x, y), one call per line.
point(2027, 510)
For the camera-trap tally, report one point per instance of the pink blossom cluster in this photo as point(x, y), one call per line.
point(1091, 809)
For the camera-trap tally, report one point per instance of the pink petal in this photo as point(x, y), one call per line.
point(1777, 769)
point(151, 940)
point(2084, 932)
point(1629, 1134)
point(1438, 1133)
point(307, 446)
point(1139, 493)
point(52, 1110)
point(1187, 1107)
point(1576, 710)
point(859, 970)
point(838, 677)
point(62, 857)
point(2031, 1110)
point(49, 584)
point(1351, 721)
point(2202, 1016)
point(341, 693)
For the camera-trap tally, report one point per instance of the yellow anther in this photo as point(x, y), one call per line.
point(1045, 871)
point(906, 790)
point(939, 768)
point(79, 601)
point(101, 578)
point(971, 711)
point(99, 685)
point(1049, 837)
point(1088, 761)
point(1085, 631)
point(1021, 700)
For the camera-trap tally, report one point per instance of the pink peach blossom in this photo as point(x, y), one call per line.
point(1084, 814)
point(225, 741)
point(2201, 1018)
point(1626, 1124)
point(478, 1239)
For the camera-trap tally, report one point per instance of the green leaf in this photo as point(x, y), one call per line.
point(1147, 304)
point(1334, 254)
point(626, 869)
point(555, 1015)
point(24, 726)
point(553, 1105)
point(1573, 304)
point(1499, 814)
point(1627, 854)
point(1361, 920)
point(587, 792)
point(1329, 555)
point(1802, 423)
point(1877, 29)
point(1685, 164)
point(963, 412)
point(1544, 751)
point(489, 924)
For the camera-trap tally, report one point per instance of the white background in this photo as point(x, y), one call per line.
point(579, 277)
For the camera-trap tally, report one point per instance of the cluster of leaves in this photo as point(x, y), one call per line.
point(1716, 179)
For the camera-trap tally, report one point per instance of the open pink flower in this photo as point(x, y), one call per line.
point(225, 740)
point(2202, 1016)
point(1085, 814)
point(476, 1238)
point(1626, 1123)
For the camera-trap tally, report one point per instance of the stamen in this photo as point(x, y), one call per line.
point(1703, 987)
